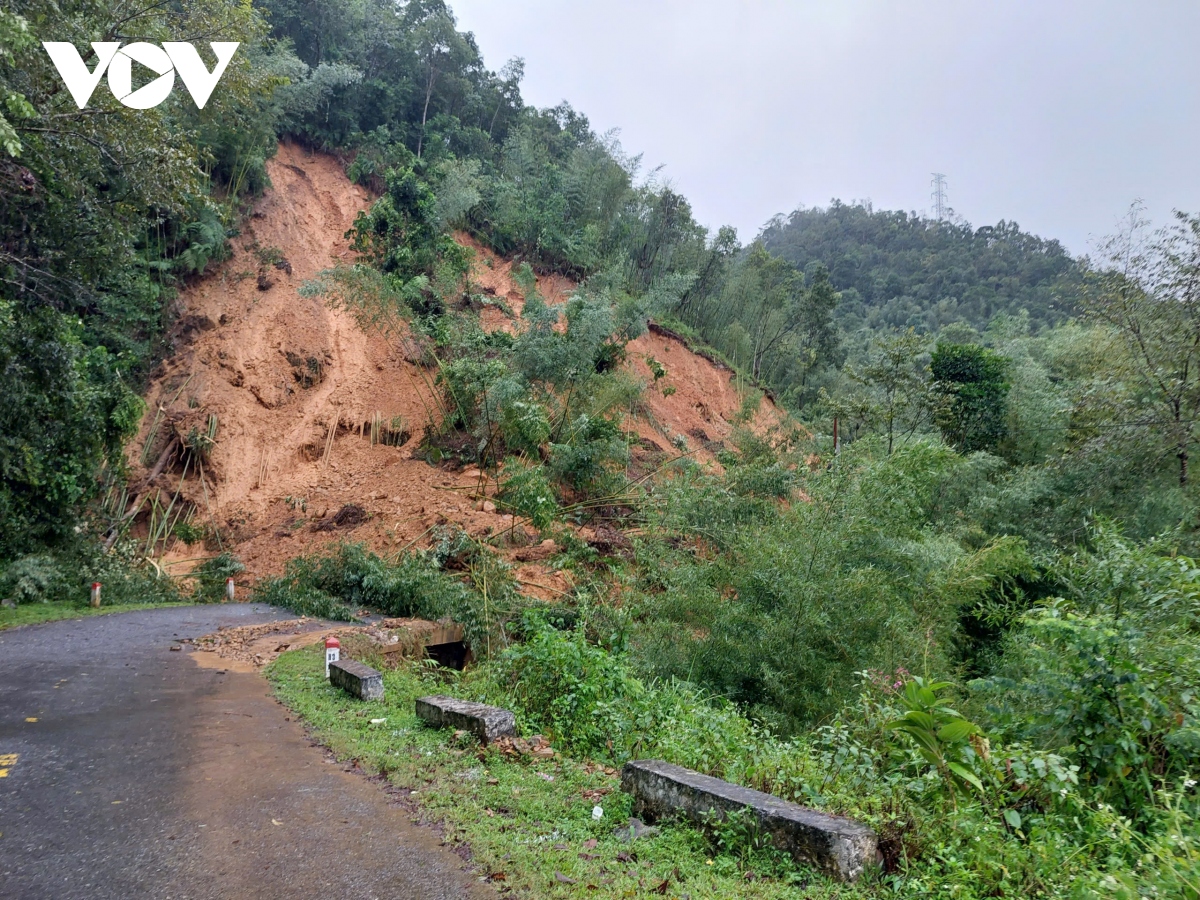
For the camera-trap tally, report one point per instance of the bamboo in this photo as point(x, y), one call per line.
point(329, 441)
point(151, 436)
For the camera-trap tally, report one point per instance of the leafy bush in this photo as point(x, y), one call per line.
point(32, 579)
point(210, 576)
point(1166, 859)
point(527, 492)
point(569, 688)
point(779, 608)
point(351, 577)
point(971, 382)
point(1116, 697)
point(301, 599)
point(592, 458)
point(66, 575)
point(941, 734)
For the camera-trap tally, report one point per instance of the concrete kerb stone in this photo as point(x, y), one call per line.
point(356, 679)
point(838, 846)
point(485, 722)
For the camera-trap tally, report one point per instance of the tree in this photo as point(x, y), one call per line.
point(14, 35)
point(509, 90)
point(786, 325)
point(439, 47)
point(900, 381)
point(99, 208)
point(711, 272)
point(766, 296)
point(971, 382)
point(896, 269)
point(818, 338)
point(1150, 297)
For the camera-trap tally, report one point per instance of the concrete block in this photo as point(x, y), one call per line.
point(838, 846)
point(485, 722)
point(356, 679)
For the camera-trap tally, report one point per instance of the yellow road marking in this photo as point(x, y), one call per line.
point(31, 719)
point(7, 761)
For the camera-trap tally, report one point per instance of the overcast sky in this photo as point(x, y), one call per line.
point(1054, 114)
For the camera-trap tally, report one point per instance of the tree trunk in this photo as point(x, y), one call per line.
point(425, 111)
point(1181, 433)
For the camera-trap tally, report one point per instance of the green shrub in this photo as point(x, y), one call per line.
point(484, 601)
point(569, 688)
point(591, 460)
point(778, 608)
point(1116, 697)
point(66, 575)
point(1163, 861)
point(33, 579)
point(301, 599)
point(527, 492)
point(210, 576)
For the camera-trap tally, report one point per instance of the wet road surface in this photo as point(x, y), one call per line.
point(128, 771)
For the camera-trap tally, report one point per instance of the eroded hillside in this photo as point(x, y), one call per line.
point(288, 389)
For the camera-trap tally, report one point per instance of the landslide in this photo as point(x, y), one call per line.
point(288, 388)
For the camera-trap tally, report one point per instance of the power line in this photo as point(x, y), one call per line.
point(940, 205)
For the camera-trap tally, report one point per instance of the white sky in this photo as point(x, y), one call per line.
point(1056, 114)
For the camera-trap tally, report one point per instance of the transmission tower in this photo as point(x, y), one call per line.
point(939, 195)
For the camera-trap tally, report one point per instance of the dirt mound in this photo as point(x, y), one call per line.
point(290, 389)
point(289, 427)
point(251, 647)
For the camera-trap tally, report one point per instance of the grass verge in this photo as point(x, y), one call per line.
point(36, 613)
point(528, 823)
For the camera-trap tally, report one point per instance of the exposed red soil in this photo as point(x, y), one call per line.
point(280, 372)
point(697, 399)
point(690, 410)
point(491, 276)
point(270, 479)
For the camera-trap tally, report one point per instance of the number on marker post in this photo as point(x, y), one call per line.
point(333, 652)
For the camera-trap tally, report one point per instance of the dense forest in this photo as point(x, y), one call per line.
point(902, 270)
point(971, 621)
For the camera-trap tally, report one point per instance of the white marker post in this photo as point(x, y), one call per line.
point(229, 590)
point(95, 595)
point(333, 652)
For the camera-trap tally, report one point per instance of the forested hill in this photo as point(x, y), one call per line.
point(899, 270)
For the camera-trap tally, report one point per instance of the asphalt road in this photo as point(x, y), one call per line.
point(128, 771)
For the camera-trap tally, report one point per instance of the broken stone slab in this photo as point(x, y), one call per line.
point(356, 679)
point(838, 846)
point(485, 722)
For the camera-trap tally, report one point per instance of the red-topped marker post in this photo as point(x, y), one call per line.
point(333, 652)
point(95, 595)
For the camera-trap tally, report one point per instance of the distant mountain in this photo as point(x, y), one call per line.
point(897, 269)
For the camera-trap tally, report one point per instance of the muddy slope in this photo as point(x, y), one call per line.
point(290, 389)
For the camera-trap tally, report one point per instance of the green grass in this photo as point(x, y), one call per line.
point(527, 823)
point(36, 613)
